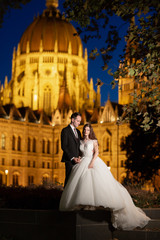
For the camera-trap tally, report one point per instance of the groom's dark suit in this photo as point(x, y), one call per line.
point(70, 146)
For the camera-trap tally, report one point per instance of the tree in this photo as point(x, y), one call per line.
point(5, 5)
point(142, 149)
point(141, 58)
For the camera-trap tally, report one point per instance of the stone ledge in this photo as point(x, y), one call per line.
point(76, 225)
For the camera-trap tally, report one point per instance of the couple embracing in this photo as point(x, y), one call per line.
point(90, 183)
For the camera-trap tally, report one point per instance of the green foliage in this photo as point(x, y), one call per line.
point(141, 58)
point(5, 5)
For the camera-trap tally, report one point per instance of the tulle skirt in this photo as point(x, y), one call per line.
point(97, 187)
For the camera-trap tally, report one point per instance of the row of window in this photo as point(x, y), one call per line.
point(15, 180)
point(44, 164)
point(46, 144)
point(48, 59)
point(31, 144)
point(30, 163)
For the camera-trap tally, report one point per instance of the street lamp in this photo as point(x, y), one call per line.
point(6, 173)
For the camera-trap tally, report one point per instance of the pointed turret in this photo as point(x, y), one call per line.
point(18, 49)
point(6, 82)
point(1, 88)
point(64, 101)
point(86, 54)
point(98, 97)
point(14, 53)
point(80, 51)
point(91, 94)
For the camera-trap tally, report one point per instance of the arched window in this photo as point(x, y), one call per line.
point(122, 163)
point(3, 161)
point(106, 144)
point(43, 164)
point(29, 163)
point(19, 163)
point(1, 179)
point(34, 164)
point(45, 179)
point(56, 165)
point(19, 143)
point(57, 146)
point(108, 163)
point(32, 100)
point(55, 179)
point(43, 146)
point(48, 146)
point(3, 141)
point(83, 93)
point(13, 162)
point(48, 164)
point(15, 180)
point(30, 180)
point(122, 143)
point(34, 145)
point(47, 99)
point(29, 144)
point(13, 143)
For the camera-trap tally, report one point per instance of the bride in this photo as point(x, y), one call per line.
point(92, 184)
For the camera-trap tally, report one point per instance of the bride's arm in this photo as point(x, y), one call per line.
point(95, 153)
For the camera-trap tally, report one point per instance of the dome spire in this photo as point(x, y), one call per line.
point(52, 3)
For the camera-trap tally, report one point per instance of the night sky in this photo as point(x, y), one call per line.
point(16, 22)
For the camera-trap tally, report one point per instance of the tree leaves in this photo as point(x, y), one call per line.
point(142, 148)
point(140, 61)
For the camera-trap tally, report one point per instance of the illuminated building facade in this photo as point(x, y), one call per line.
point(50, 81)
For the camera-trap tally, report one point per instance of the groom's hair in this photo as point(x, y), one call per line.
point(75, 114)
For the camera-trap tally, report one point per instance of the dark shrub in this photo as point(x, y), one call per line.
point(35, 197)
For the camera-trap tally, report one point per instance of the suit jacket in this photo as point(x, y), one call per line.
point(70, 144)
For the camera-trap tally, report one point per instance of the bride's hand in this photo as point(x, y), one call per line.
point(90, 165)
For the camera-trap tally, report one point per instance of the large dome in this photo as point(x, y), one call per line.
point(48, 28)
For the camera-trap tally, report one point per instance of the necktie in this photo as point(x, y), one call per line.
point(75, 132)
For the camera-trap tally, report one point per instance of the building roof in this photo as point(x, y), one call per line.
point(50, 29)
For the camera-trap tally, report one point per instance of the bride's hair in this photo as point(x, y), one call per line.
point(91, 134)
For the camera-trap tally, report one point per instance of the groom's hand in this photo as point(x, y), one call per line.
point(77, 160)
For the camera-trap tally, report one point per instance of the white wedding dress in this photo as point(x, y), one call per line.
point(97, 187)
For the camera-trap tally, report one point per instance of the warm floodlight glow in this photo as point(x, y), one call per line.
point(35, 97)
point(6, 171)
point(53, 70)
point(112, 118)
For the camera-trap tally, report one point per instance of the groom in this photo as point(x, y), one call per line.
point(70, 142)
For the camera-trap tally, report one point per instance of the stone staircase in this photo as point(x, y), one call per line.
point(78, 225)
point(150, 232)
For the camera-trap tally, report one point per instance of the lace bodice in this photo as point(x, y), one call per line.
point(87, 148)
